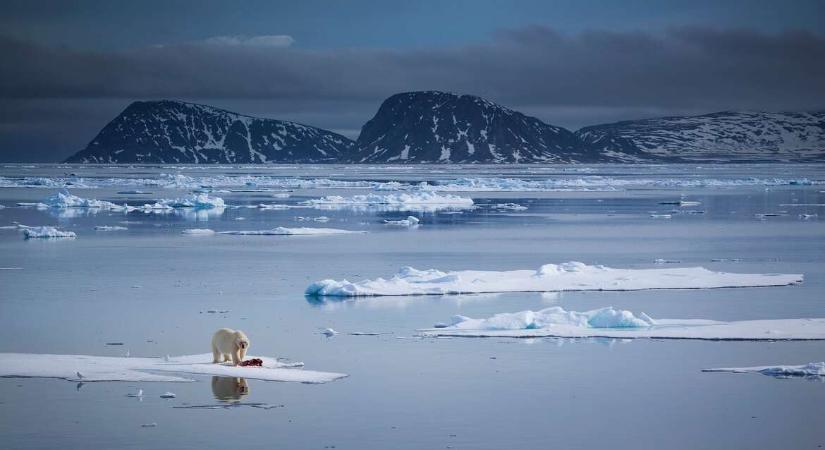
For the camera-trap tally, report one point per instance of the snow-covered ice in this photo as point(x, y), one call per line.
point(198, 231)
point(46, 233)
point(410, 222)
point(813, 369)
point(106, 368)
point(110, 228)
point(283, 231)
point(510, 206)
point(570, 276)
point(64, 199)
point(399, 201)
point(615, 323)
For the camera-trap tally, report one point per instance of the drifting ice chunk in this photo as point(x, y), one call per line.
point(402, 201)
point(814, 369)
point(571, 276)
point(410, 222)
point(64, 199)
point(195, 201)
point(198, 232)
point(282, 231)
point(612, 323)
point(46, 233)
point(107, 368)
point(110, 228)
point(510, 206)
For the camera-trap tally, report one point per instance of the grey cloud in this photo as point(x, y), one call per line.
point(560, 78)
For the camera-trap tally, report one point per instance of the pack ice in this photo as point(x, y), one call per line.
point(398, 201)
point(570, 276)
point(810, 370)
point(84, 368)
point(615, 323)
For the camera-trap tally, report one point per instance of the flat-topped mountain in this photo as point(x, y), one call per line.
point(439, 127)
point(178, 132)
point(719, 137)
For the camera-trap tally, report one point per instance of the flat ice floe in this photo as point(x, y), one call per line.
point(399, 201)
point(409, 222)
point(46, 233)
point(570, 276)
point(83, 368)
point(110, 228)
point(64, 199)
point(620, 324)
point(198, 232)
point(810, 370)
point(282, 231)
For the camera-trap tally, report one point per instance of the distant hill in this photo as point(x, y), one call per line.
point(439, 127)
point(721, 137)
point(178, 132)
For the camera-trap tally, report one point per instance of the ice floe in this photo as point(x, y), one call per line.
point(64, 199)
point(810, 370)
point(509, 206)
point(399, 201)
point(615, 323)
point(198, 232)
point(106, 368)
point(46, 233)
point(409, 222)
point(283, 231)
point(570, 276)
point(110, 228)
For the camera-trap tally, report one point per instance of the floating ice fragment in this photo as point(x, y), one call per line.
point(282, 231)
point(47, 233)
point(810, 370)
point(613, 323)
point(168, 395)
point(410, 222)
point(198, 232)
point(571, 276)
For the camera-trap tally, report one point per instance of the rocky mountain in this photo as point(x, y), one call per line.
point(439, 127)
point(178, 132)
point(718, 137)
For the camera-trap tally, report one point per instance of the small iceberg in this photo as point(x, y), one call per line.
point(283, 231)
point(46, 233)
point(169, 369)
point(110, 228)
point(198, 232)
point(509, 206)
point(620, 324)
point(409, 222)
point(64, 200)
point(570, 276)
point(810, 370)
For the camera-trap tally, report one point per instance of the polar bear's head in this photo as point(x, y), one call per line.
point(241, 341)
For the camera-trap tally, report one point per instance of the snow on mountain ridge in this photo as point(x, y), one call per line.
point(170, 131)
point(728, 136)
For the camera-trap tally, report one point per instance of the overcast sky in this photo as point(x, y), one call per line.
point(67, 68)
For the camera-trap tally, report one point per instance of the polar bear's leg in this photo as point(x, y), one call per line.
point(236, 359)
point(242, 353)
point(226, 357)
point(216, 355)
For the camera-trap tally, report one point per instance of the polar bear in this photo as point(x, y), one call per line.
point(229, 344)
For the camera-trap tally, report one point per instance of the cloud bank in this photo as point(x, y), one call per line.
point(536, 69)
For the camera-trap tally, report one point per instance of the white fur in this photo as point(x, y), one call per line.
point(228, 344)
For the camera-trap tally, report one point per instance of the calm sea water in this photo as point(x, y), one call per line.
point(150, 287)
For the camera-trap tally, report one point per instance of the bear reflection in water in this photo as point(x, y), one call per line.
point(229, 388)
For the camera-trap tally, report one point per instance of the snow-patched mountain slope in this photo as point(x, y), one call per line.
point(440, 127)
point(178, 132)
point(723, 137)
